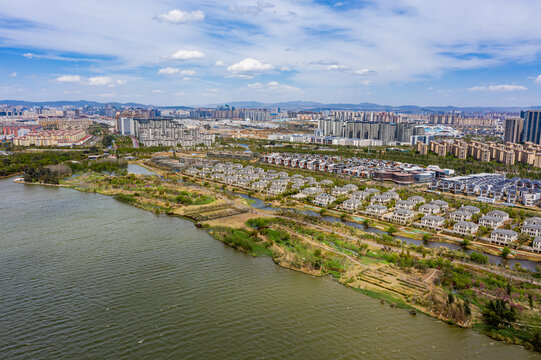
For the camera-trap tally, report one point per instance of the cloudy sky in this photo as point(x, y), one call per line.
point(422, 52)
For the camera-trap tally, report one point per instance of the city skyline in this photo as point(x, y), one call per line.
point(188, 53)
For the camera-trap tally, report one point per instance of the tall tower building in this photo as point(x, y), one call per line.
point(513, 130)
point(532, 126)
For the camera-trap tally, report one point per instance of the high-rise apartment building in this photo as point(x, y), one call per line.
point(531, 131)
point(513, 130)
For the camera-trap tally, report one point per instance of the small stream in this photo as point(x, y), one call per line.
point(492, 259)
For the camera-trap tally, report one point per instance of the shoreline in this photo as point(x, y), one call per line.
point(373, 290)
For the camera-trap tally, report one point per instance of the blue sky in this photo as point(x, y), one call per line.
point(422, 52)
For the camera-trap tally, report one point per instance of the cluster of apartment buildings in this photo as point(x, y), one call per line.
point(491, 188)
point(165, 132)
point(53, 138)
point(380, 170)
point(387, 133)
point(509, 153)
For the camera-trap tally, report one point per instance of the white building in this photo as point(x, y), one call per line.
point(503, 237)
point(432, 221)
point(465, 228)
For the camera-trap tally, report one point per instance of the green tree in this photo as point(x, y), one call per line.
point(505, 252)
point(496, 313)
point(391, 230)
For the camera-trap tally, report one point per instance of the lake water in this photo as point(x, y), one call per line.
point(85, 276)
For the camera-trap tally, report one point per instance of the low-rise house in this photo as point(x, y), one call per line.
point(372, 191)
point(392, 195)
point(429, 209)
point(491, 221)
point(376, 209)
point(339, 191)
point(230, 180)
point(444, 205)
point(402, 216)
point(536, 243)
point(499, 214)
point(281, 182)
point(471, 209)
point(260, 185)
point(351, 204)
point(465, 228)
point(310, 191)
point(405, 204)
point(460, 215)
point(351, 187)
point(503, 236)
point(324, 200)
point(417, 199)
point(243, 182)
point(276, 189)
point(327, 182)
point(532, 221)
point(380, 199)
point(432, 221)
point(531, 229)
point(360, 195)
point(192, 171)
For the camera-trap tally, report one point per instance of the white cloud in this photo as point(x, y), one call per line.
point(180, 17)
point(99, 80)
point(538, 79)
point(157, 91)
point(335, 67)
point(256, 85)
point(187, 78)
point(121, 82)
point(107, 95)
point(187, 55)
point(168, 71)
point(69, 79)
point(363, 72)
point(180, 93)
point(501, 87)
point(219, 63)
point(274, 86)
point(249, 65)
point(13, 74)
point(239, 76)
point(187, 72)
point(285, 68)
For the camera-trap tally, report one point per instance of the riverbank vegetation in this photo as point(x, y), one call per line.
point(438, 282)
point(17, 162)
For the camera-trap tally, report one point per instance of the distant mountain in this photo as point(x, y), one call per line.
point(291, 105)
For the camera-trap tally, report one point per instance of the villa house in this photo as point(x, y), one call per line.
point(402, 216)
point(502, 215)
point(491, 221)
point(405, 204)
point(339, 191)
point(376, 209)
point(471, 209)
point(324, 200)
point(360, 195)
point(417, 199)
point(465, 228)
point(432, 221)
point(444, 205)
point(531, 229)
point(503, 237)
point(429, 209)
point(460, 215)
point(351, 204)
